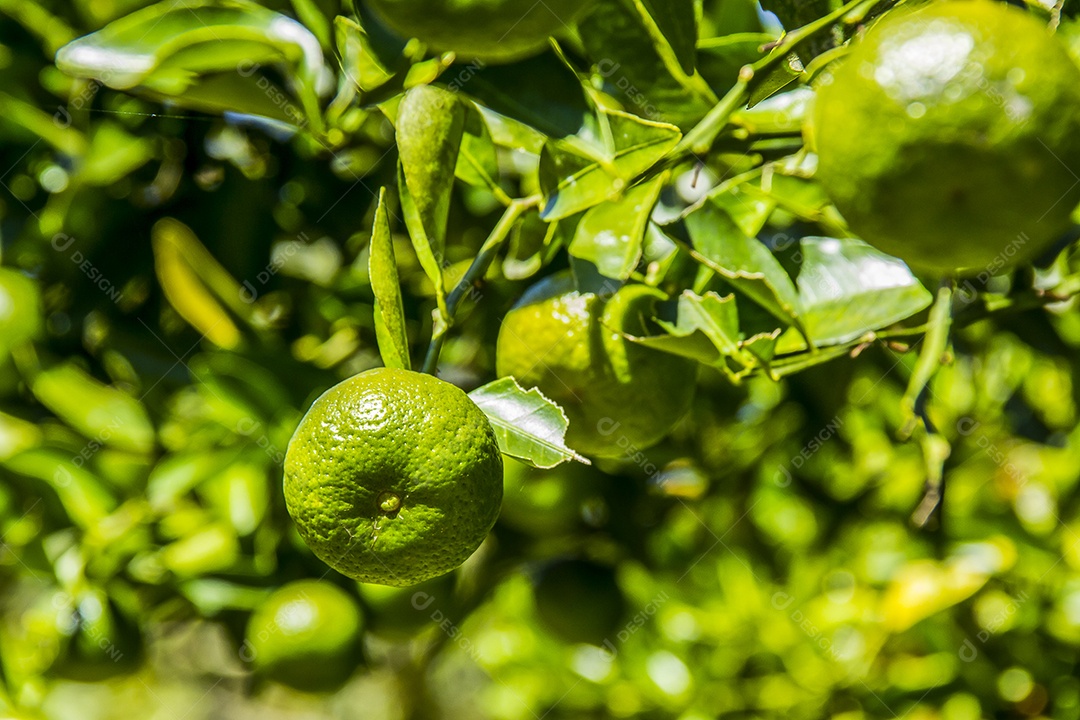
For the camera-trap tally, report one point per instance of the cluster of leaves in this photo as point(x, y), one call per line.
point(331, 220)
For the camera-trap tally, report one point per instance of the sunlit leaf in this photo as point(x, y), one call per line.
point(477, 162)
point(181, 41)
point(573, 182)
point(528, 426)
point(385, 284)
point(83, 495)
point(745, 262)
point(101, 412)
point(429, 127)
point(848, 289)
point(187, 272)
point(359, 61)
point(610, 235)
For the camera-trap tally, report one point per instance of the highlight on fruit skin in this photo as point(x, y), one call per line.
point(490, 31)
point(393, 477)
point(620, 397)
point(947, 136)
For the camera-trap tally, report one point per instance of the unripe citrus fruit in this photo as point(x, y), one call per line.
point(948, 136)
point(393, 477)
point(488, 30)
point(580, 601)
point(305, 635)
point(619, 396)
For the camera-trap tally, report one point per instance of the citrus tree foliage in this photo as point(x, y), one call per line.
point(212, 211)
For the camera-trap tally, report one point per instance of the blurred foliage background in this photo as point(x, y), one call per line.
point(178, 287)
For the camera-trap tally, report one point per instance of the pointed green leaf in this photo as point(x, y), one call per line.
point(610, 235)
point(720, 59)
point(677, 23)
point(425, 253)
point(477, 162)
point(430, 123)
point(527, 425)
point(775, 78)
point(359, 61)
point(639, 65)
point(849, 289)
point(389, 313)
point(98, 411)
point(745, 262)
point(573, 182)
point(82, 494)
point(541, 92)
point(171, 48)
point(706, 330)
point(532, 243)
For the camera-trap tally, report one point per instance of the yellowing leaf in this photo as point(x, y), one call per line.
point(923, 588)
point(177, 254)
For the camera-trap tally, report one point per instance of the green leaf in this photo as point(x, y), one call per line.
point(429, 127)
point(113, 154)
point(171, 48)
point(706, 330)
point(313, 18)
point(359, 61)
point(389, 312)
point(774, 79)
point(477, 162)
point(639, 65)
point(610, 235)
point(781, 114)
point(541, 92)
point(849, 289)
point(98, 411)
point(527, 425)
point(82, 494)
point(677, 23)
point(715, 317)
point(573, 182)
point(744, 261)
point(745, 204)
point(195, 284)
point(532, 243)
point(720, 59)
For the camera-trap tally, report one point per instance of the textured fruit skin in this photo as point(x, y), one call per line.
point(306, 635)
point(947, 136)
point(620, 397)
point(579, 601)
point(494, 31)
point(387, 438)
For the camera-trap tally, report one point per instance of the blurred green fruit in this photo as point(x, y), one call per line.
point(620, 397)
point(493, 31)
point(306, 635)
point(580, 601)
point(948, 136)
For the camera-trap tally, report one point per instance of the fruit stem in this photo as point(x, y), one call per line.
point(479, 267)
